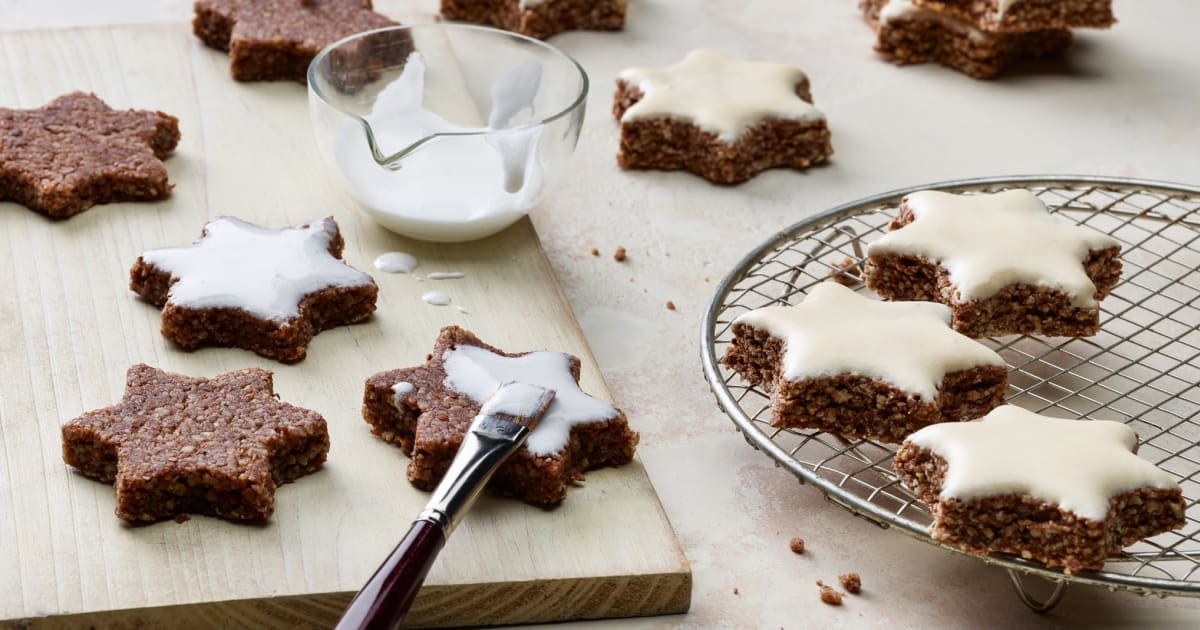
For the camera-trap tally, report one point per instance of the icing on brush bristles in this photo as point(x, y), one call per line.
point(476, 373)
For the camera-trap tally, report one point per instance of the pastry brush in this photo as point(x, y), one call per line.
point(501, 427)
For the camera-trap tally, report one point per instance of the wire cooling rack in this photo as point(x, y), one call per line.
point(1143, 368)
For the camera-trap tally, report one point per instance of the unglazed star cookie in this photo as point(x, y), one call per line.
point(860, 368)
point(74, 152)
point(265, 290)
point(1066, 493)
point(718, 117)
point(539, 18)
point(1019, 16)
point(269, 40)
point(1000, 261)
point(428, 409)
point(907, 34)
point(176, 445)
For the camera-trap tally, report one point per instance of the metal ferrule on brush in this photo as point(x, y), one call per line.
point(501, 427)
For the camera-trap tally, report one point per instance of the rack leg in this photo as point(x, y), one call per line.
point(1035, 605)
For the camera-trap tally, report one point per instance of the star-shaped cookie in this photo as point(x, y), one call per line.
point(539, 18)
point(721, 118)
point(180, 445)
point(265, 290)
point(856, 367)
point(427, 410)
point(269, 40)
point(1001, 261)
point(74, 152)
point(1064, 492)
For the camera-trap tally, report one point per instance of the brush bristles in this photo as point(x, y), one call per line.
point(519, 403)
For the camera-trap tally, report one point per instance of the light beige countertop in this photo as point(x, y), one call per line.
point(1126, 103)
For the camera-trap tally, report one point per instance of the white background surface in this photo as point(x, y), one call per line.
point(1126, 103)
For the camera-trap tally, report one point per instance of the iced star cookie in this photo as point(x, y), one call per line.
point(908, 34)
point(75, 152)
point(427, 409)
point(845, 364)
point(718, 117)
point(1019, 16)
point(176, 445)
point(1001, 261)
point(244, 286)
point(1067, 493)
point(539, 18)
point(269, 40)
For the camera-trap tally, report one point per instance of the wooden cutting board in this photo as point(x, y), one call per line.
point(71, 328)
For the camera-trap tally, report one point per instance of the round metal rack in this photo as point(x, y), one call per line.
point(1143, 368)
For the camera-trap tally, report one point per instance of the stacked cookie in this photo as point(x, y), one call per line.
point(981, 38)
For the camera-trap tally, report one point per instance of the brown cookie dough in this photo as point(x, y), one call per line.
point(416, 409)
point(269, 40)
point(539, 19)
point(74, 152)
point(269, 291)
point(176, 445)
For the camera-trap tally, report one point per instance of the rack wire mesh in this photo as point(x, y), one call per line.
point(1143, 368)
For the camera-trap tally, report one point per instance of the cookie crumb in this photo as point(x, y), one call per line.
point(830, 596)
point(796, 545)
point(851, 582)
point(670, 305)
point(735, 590)
point(183, 518)
point(619, 255)
point(595, 251)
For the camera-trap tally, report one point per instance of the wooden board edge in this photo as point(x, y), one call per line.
point(562, 599)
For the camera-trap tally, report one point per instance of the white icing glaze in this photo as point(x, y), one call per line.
point(988, 242)
point(462, 310)
point(476, 372)
point(718, 94)
point(396, 262)
point(264, 271)
point(446, 275)
point(1003, 6)
point(518, 400)
point(836, 331)
point(436, 298)
point(402, 389)
point(453, 187)
point(1076, 464)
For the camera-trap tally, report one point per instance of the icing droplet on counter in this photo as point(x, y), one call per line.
point(436, 298)
point(476, 373)
point(463, 310)
point(446, 275)
point(396, 262)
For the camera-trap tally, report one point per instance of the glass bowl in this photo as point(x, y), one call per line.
point(445, 132)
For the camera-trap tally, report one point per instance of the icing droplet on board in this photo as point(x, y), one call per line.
point(436, 298)
point(396, 262)
point(446, 275)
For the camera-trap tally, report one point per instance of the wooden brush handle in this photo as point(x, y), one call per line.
point(384, 601)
